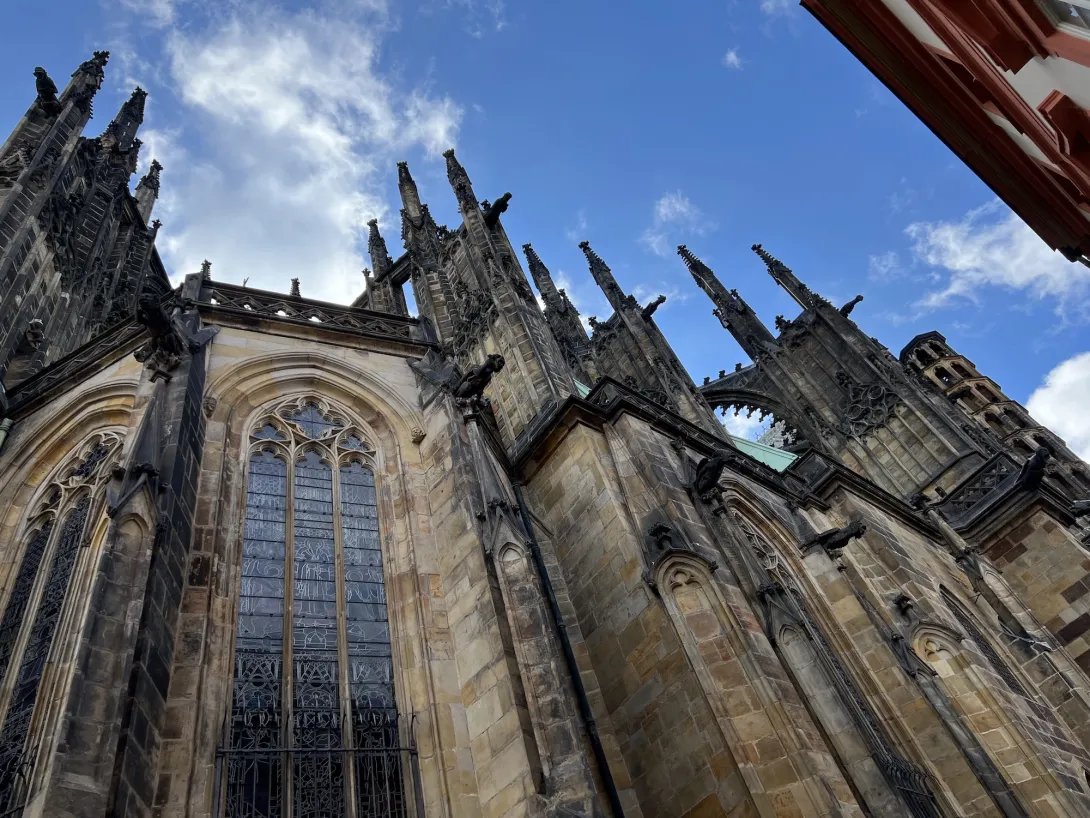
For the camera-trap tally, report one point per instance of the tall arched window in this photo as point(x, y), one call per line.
point(313, 721)
point(56, 530)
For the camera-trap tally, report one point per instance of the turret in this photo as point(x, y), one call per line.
point(147, 191)
point(120, 134)
point(783, 276)
point(410, 196)
point(376, 248)
point(731, 309)
point(603, 277)
point(563, 320)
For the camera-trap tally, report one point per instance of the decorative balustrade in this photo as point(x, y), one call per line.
point(242, 301)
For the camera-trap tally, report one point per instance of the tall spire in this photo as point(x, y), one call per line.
point(786, 279)
point(410, 196)
point(542, 278)
point(121, 132)
point(147, 190)
point(459, 181)
point(603, 277)
point(376, 246)
point(732, 311)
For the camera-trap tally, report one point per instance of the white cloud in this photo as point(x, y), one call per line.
point(732, 61)
point(992, 247)
point(747, 427)
point(479, 17)
point(884, 267)
point(156, 13)
point(288, 137)
point(1060, 403)
point(673, 214)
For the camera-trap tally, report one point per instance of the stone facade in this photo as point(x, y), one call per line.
point(530, 572)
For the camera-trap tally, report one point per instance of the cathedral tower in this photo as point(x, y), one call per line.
point(74, 242)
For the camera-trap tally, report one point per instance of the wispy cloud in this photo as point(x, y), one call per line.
point(732, 60)
point(479, 17)
point(1060, 403)
point(884, 267)
point(992, 247)
point(778, 8)
point(673, 215)
point(578, 233)
point(286, 131)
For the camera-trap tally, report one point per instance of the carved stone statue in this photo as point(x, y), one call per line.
point(492, 214)
point(836, 539)
point(47, 91)
point(708, 472)
point(649, 310)
point(846, 310)
point(1033, 470)
point(471, 386)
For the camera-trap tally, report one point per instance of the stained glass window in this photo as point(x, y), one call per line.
point(311, 504)
point(36, 601)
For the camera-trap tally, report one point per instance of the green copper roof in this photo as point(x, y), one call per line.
point(582, 389)
point(772, 457)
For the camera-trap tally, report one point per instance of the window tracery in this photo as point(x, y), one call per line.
point(314, 719)
point(56, 530)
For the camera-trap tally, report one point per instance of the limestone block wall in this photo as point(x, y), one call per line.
point(705, 716)
point(997, 701)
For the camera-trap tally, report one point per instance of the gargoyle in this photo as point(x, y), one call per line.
point(471, 386)
point(169, 337)
point(492, 214)
point(835, 539)
point(846, 310)
point(708, 472)
point(1033, 470)
point(649, 310)
point(47, 91)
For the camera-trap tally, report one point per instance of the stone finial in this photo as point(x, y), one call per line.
point(206, 270)
point(295, 288)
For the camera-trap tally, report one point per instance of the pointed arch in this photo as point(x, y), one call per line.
point(38, 611)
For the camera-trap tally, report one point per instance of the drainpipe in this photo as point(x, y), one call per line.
point(612, 795)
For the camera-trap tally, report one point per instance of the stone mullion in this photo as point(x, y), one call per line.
point(286, 696)
point(343, 682)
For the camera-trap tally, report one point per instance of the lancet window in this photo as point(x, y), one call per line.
point(313, 729)
point(56, 530)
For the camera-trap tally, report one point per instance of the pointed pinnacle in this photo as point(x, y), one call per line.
point(770, 260)
point(531, 255)
point(695, 265)
point(295, 288)
point(592, 257)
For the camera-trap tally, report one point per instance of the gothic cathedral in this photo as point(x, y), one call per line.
point(268, 557)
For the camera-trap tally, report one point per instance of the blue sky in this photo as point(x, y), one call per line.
point(716, 124)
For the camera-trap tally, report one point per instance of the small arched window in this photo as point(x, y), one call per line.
point(57, 528)
point(313, 678)
point(959, 370)
point(924, 358)
point(943, 375)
